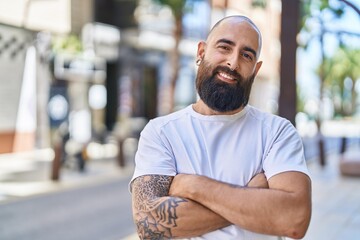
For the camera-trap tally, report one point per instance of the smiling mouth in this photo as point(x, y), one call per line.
point(226, 77)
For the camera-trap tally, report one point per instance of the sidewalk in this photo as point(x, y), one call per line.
point(28, 174)
point(336, 203)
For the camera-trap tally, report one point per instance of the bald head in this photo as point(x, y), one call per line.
point(237, 19)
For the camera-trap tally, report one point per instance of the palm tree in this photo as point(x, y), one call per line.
point(289, 30)
point(177, 8)
point(321, 16)
point(343, 65)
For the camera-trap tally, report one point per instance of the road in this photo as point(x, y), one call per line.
point(98, 212)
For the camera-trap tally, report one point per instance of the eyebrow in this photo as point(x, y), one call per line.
point(227, 41)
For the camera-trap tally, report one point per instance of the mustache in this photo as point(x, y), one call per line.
point(228, 71)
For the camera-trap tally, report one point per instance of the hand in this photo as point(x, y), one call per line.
point(180, 184)
point(258, 181)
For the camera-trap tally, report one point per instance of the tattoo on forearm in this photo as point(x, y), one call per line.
point(154, 217)
point(148, 187)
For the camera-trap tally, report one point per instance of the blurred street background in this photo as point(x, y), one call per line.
point(79, 79)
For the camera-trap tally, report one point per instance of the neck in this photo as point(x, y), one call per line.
point(202, 108)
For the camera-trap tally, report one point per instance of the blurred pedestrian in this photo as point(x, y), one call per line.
point(220, 168)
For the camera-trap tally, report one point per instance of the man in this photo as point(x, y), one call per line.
point(200, 172)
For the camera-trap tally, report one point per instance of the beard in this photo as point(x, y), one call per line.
point(221, 96)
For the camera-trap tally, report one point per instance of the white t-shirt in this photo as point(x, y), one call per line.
point(228, 148)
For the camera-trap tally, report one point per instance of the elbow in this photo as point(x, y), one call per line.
point(299, 225)
point(296, 233)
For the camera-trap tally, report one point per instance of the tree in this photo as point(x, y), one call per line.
point(343, 68)
point(289, 31)
point(323, 13)
point(177, 8)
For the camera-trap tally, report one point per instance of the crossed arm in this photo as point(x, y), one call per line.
point(161, 205)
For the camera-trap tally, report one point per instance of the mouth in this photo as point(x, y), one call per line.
point(225, 77)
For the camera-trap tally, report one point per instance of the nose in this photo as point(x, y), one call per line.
point(232, 62)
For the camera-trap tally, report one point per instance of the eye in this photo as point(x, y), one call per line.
point(247, 56)
point(224, 47)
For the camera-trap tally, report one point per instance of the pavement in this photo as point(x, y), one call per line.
point(27, 174)
point(336, 198)
point(336, 202)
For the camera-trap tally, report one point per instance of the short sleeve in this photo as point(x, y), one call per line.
point(286, 152)
point(154, 155)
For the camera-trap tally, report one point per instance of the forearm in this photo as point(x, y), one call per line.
point(159, 216)
point(172, 217)
point(267, 211)
point(263, 212)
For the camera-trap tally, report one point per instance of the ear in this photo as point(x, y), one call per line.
point(257, 67)
point(201, 50)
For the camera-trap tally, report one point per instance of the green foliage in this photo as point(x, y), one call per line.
point(258, 3)
point(323, 4)
point(311, 9)
point(67, 44)
point(176, 6)
point(300, 101)
point(342, 65)
point(316, 17)
point(304, 12)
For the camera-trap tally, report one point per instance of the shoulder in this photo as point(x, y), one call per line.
point(160, 122)
point(266, 118)
point(272, 124)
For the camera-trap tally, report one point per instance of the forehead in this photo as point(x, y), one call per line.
point(237, 30)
